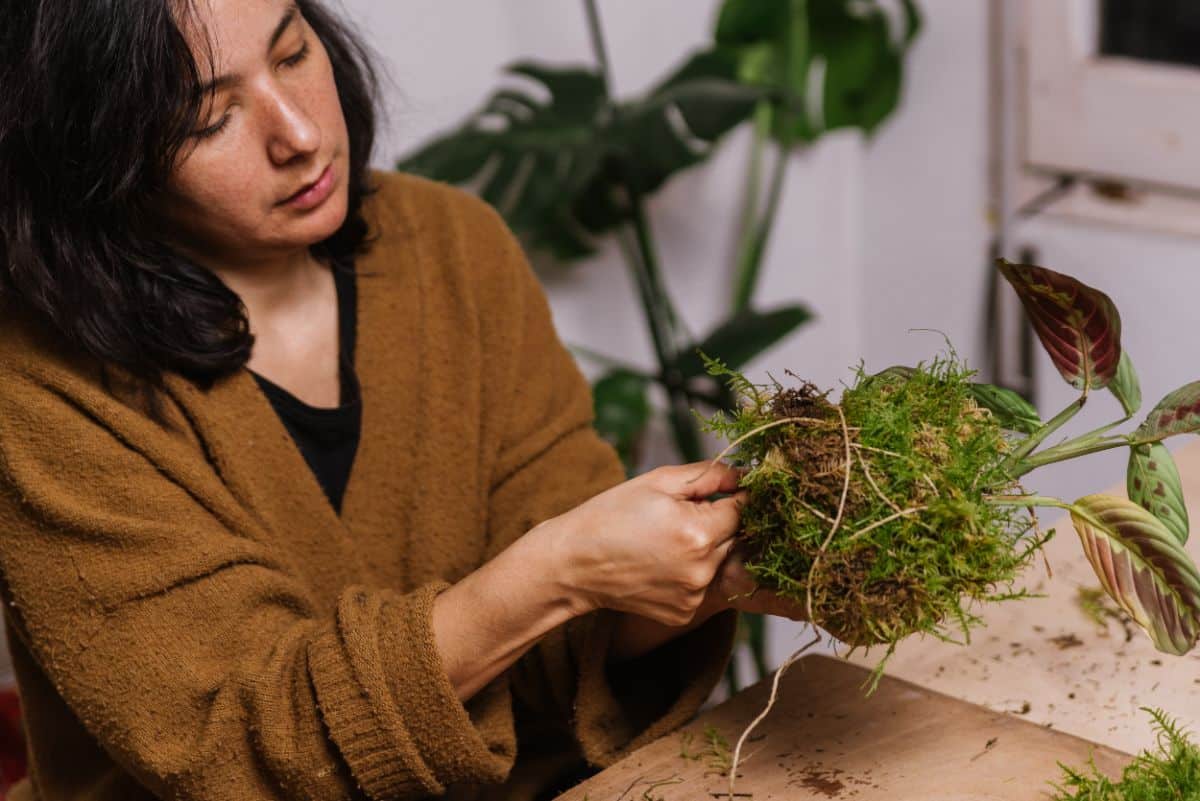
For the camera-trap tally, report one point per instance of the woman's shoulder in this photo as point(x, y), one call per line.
point(455, 232)
point(403, 206)
point(30, 346)
point(420, 204)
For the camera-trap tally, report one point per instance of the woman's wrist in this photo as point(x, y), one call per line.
point(548, 544)
point(488, 619)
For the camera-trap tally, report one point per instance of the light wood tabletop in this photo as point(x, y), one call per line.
point(1044, 659)
point(1042, 683)
point(824, 740)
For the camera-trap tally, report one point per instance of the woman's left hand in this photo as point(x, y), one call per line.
point(734, 588)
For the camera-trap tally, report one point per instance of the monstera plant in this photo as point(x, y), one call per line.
point(568, 165)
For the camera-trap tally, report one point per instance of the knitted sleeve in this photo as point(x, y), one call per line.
point(188, 648)
point(550, 460)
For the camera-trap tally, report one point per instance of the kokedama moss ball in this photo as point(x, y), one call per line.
point(880, 524)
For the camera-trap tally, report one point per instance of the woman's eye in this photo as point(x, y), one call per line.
point(299, 56)
point(212, 130)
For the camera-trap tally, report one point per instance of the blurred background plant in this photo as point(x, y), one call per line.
point(567, 164)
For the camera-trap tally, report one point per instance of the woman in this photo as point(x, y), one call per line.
point(300, 497)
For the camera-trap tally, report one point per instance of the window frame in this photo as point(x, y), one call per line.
point(1104, 117)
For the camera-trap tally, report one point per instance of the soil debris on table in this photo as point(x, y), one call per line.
point(988, 746)
point(1065, 641)
point(823, 780)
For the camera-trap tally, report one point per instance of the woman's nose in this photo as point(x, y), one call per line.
point(292, 132)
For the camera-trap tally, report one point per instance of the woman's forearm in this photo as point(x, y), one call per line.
point(490, 618)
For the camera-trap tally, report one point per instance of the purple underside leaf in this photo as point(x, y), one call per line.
point(1142, 566)
point(1078, 326)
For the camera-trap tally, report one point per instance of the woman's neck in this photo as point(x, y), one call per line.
point(272, 288)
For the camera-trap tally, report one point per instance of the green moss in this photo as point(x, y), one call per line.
point(716, 754)
point(1171, 772)
point(916, 544)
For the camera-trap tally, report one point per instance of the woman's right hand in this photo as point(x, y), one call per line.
point(651, 545)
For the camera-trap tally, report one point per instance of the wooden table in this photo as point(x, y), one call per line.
point(1041, 684)
point(1045, 660)
point(825, 740)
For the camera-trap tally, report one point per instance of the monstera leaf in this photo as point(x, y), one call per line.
point(559, 169)
point(1153, 483)
point(1078, 325)
point(742, 337)
point(1177, 413)
point(1142, 566)
point(780, 44)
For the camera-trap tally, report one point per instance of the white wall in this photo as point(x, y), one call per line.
point(442, 70)
point(877, 237)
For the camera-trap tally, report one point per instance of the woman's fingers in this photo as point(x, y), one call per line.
point(765, 602)
point(734, 580)
point(699, 480)
point(738, 589)
point(725, 515)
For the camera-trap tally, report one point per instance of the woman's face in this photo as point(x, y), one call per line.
point(266, 172)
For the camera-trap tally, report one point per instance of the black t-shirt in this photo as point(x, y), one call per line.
point(328, 437)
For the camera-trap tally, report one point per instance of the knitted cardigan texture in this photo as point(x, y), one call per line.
point(190, 619)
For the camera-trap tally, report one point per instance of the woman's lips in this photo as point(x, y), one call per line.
point(313, 195)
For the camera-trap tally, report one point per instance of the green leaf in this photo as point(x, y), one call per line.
point(715, 71)
point(749, 21)
point(1010, 409)
point(742, 337)
point(862, 65)
point(622, 411)
point(557, 169)
point(896, 371)
point(1125, 385)
point(1177, 413)
point(536, 156)
point(1153, 483)
point(454, 159)
point(1142, 566)
point(912, 21)
point(1078, 325)
point(778, 42)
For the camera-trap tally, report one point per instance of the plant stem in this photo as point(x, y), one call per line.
point(1026, 500)
point(756, 233)
point(653, 272)
point(661, 318)
point(1073, 449)
point(1095, 433)
point(598, 48)
point(747, 263)
point(654, 321)
point(683, 426)
point(1035, 439)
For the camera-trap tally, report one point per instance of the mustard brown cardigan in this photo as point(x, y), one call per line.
point(190, 619)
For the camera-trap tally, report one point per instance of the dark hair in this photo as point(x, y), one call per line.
point(99, 98)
